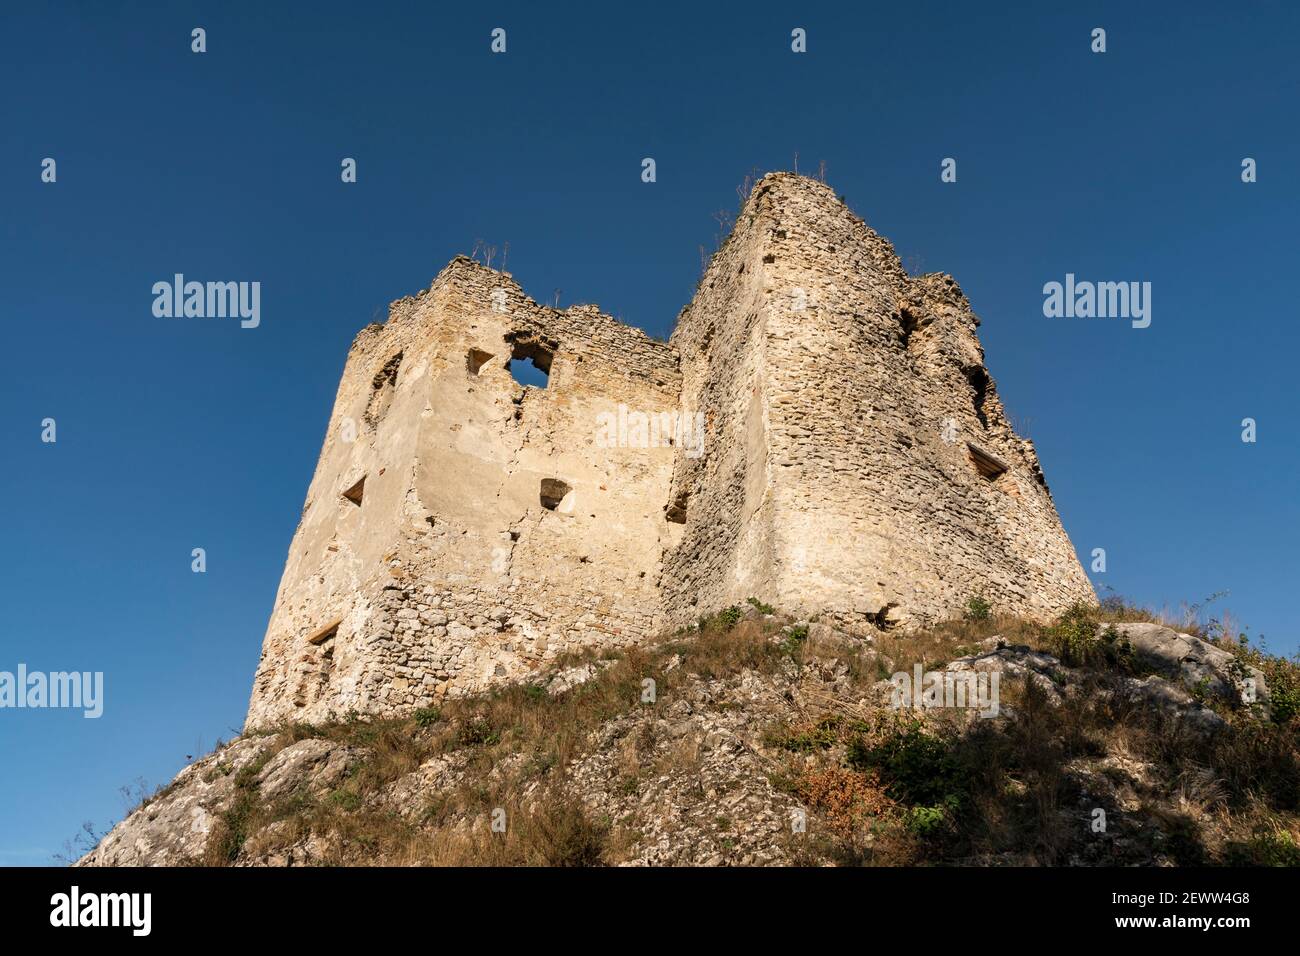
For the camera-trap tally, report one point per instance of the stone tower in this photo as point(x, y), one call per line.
point(820, 433)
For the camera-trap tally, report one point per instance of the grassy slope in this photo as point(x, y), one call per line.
point(880, 787)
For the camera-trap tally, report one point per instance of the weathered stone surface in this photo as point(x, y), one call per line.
point(319, 765)
point(1196, 663)
point(173, 828)
point(844, 398)
point(1155, 691)
point(1054, 679)
point(1043, 669)
point(570, 677)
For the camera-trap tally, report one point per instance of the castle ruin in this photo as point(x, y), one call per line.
point(820, 432)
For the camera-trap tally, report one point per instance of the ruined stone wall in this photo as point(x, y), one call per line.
point(500, 525)
point(870, 391)
point(855, 462)
point(724, 496)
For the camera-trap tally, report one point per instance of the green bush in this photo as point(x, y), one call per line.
point(925, 821)
point(794, 638)
point(729, 617)
point(1074, 633)
point(916, 767)
point(346, 800)
point(1283, 689)
point(978, 609)
point(1079, 640)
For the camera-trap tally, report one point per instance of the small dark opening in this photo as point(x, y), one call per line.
point(880, 619)
point(356, 492)
point(979, 383)
point(988, 465)
point(388, 374)
point(553, 492)
point(676, 510)
point(476, 359)
point(907, 325)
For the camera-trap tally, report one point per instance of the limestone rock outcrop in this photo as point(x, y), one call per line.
point(173, 828)
point(1196, 663)
point(1054, 679)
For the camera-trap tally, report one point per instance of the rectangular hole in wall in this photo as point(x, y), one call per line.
point(989, 466)
point(476, 359)
point(356, 492)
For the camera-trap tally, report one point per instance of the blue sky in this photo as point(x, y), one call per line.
point(177, 434)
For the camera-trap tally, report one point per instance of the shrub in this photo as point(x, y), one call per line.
point(794, 639)
point(1284, 691)
point(477, 732)
point(232, 828)
point(761, 607)
point(427, 716)
point(925, 821)
point(729, 617)
point(561, 834)
point(806, 738)
point(978, 609)
point(846, 799)
point(1282, 676)
point(1079, 640)
point(1074, 633)
point(916, 767)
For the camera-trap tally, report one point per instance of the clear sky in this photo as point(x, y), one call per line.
point(175, 434)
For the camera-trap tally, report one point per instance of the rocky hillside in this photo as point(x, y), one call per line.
point(753, 739)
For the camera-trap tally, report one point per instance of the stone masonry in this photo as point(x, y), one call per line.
point(820, 433)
